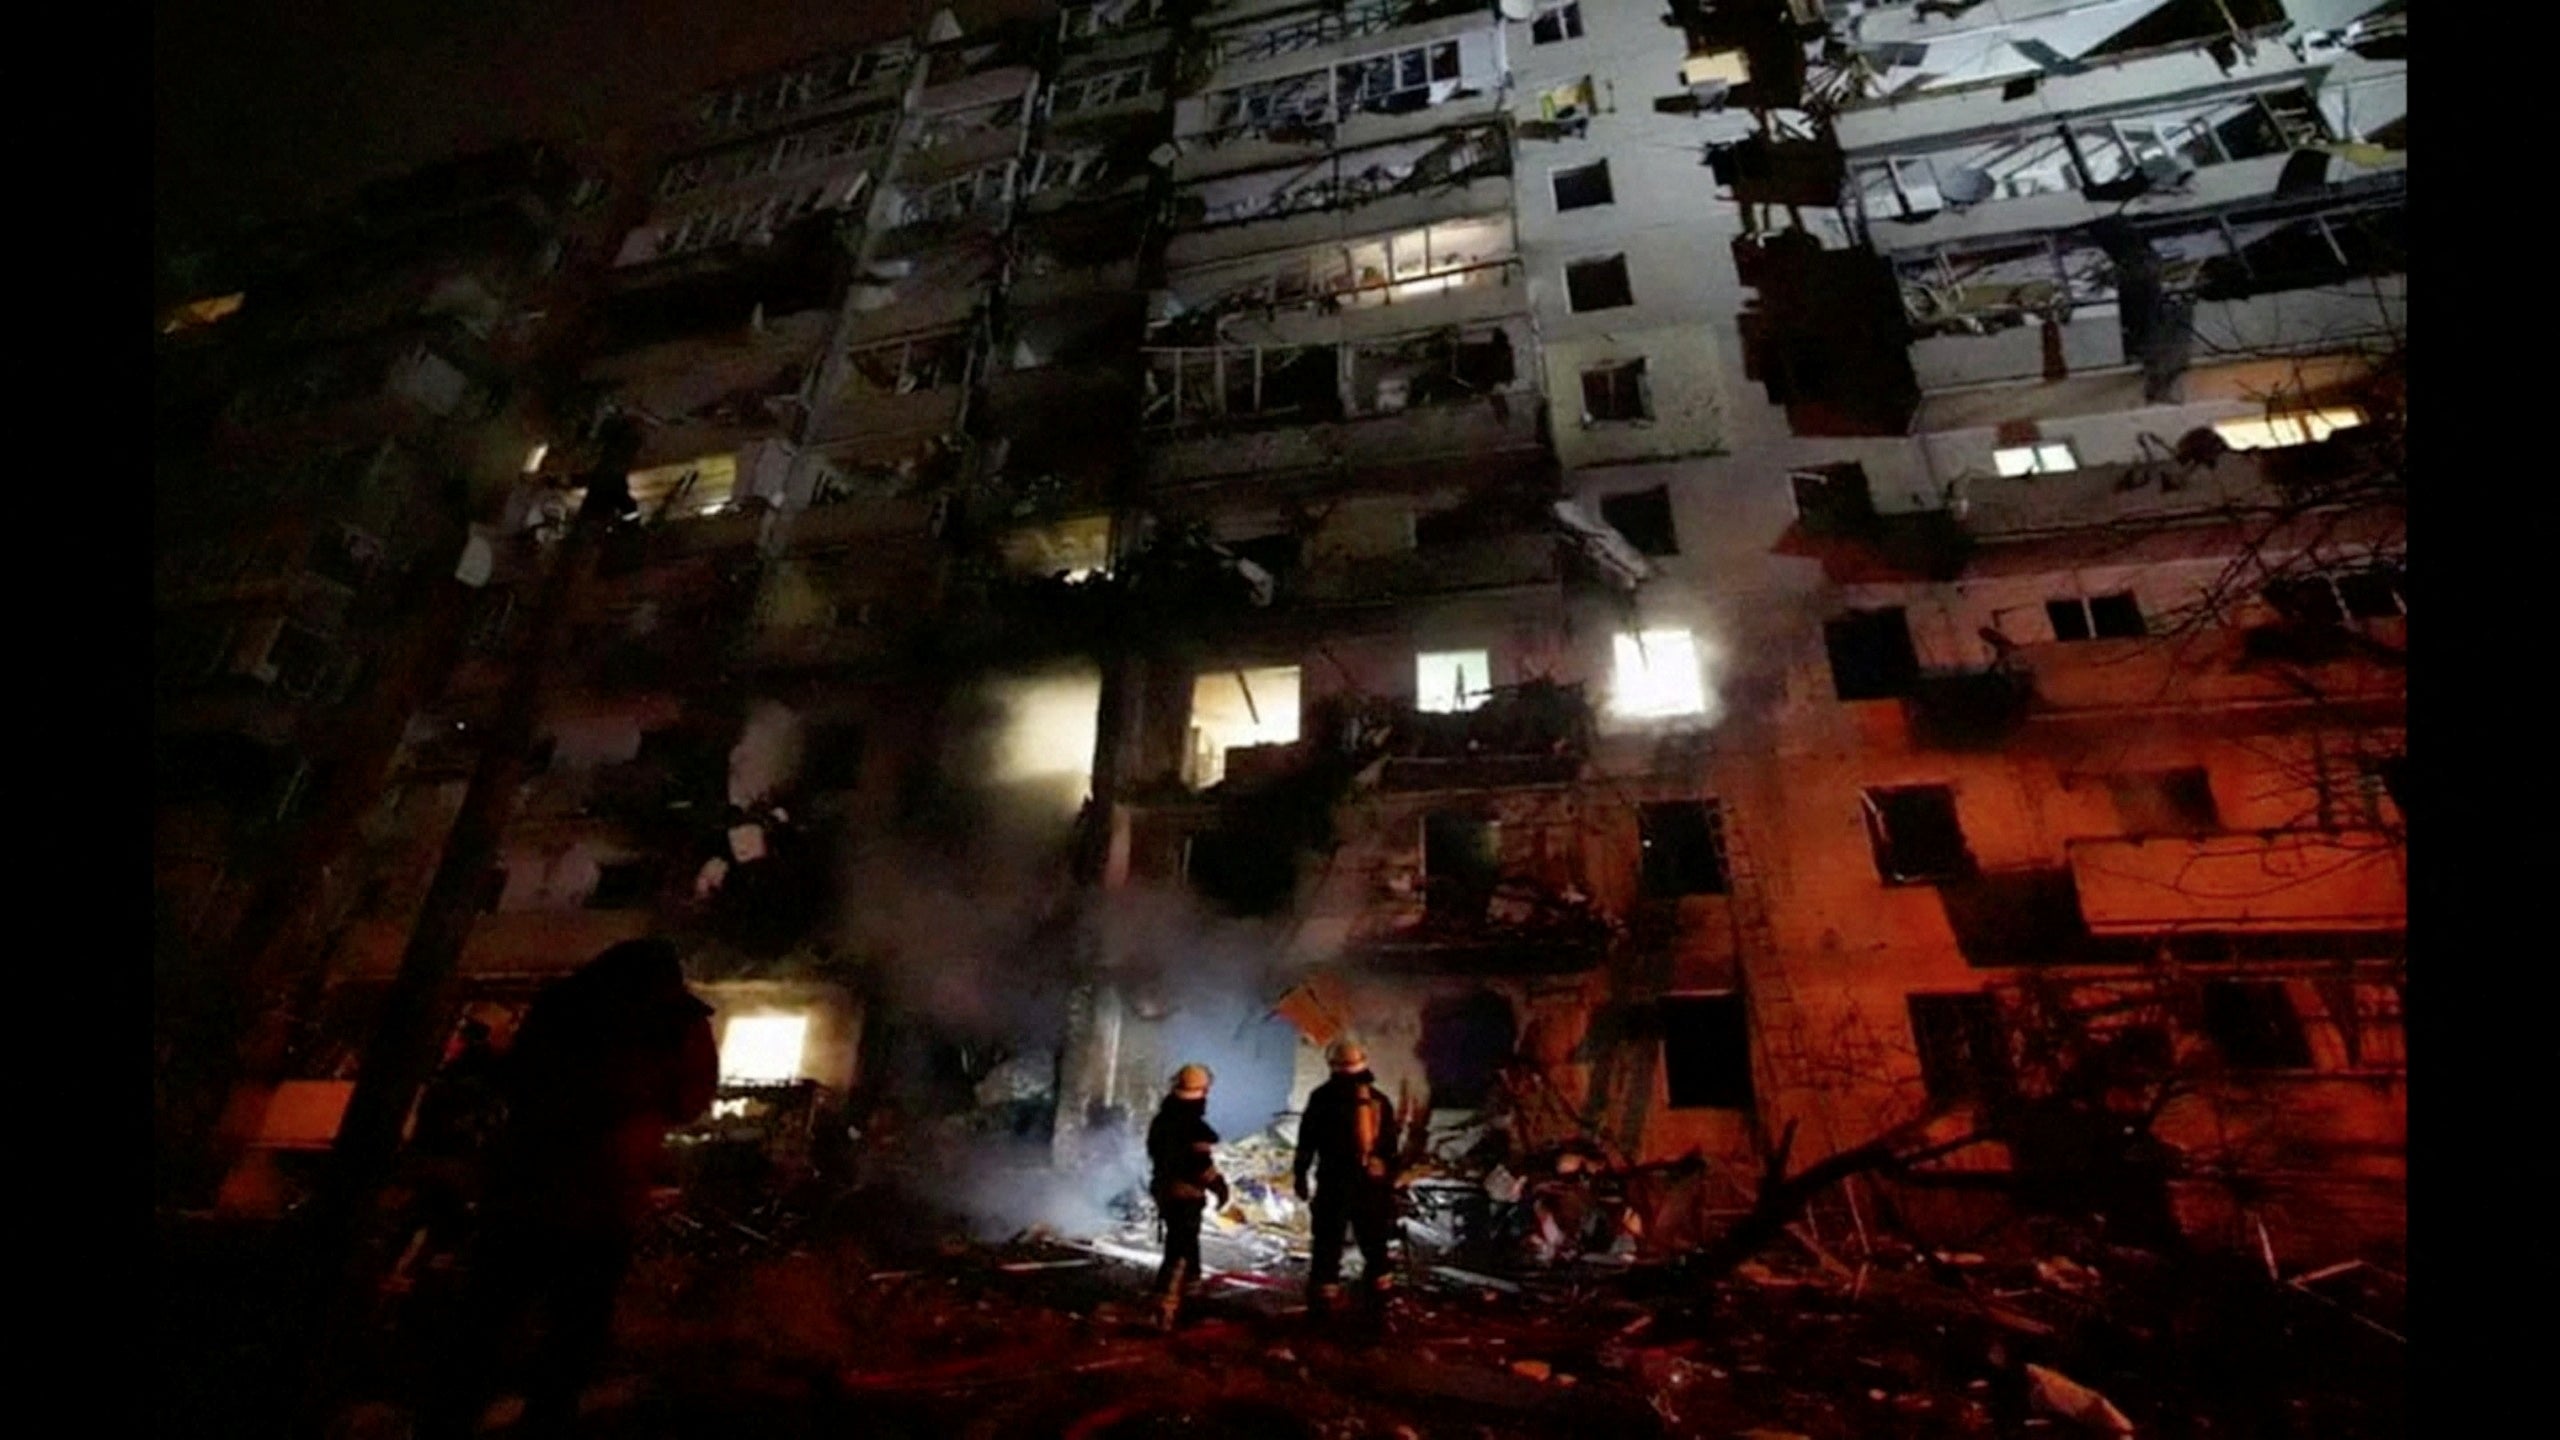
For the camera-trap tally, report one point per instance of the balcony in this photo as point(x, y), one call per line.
point(1490, 563)
point(1344, 217)
point(2283, 880)
point(2213, 669)
point(1490, 424)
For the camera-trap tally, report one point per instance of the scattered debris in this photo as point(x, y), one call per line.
point(2058, 1394)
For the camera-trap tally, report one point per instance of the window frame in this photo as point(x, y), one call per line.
point(1557, 177)
point(1632, 377)
point(1624, 284)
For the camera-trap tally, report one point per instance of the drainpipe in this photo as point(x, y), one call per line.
point(403, 1051)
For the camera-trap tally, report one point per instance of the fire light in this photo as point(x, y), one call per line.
point(1658, 676)
point(763, 1049)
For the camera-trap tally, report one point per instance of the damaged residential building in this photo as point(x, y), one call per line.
point(335, 400)
point(1777, 574)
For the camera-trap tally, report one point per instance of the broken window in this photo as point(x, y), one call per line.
point(1248, 872)
point(1833, 499)
point(1065, 170)
point(1398, 82)
point(1617, 392)
point(1093, 92)
point(763, 1049)
point(1431, 369)
point(959, 196)
point(2374, 593)
point(1445, 681)
point(1964, 1053)
point(1643, 517)
point(1461, 862)
point(906, 367)
point(1565, 104)
point(1913, 831)
point(2254, 1025)
point(1658, 676)
point(1553, 23)
point(1290, 103)
point(1706, 1051)
point(1232, 709)
point(1102, 17)
point(1580, 187)
point(1871, 654)
point(1598, 284)
point(2278, 431)
point(1236, 382)
point(624, 885)
point(2100, 617)
point(702, 486)
point(2165, 802)
point(1682, 842)
point(2049, 457)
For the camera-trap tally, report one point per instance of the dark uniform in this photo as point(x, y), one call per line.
point(1184, 1174)
point(607, 1061)
point(1348, 1138)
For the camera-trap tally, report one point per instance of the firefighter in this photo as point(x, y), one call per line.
point(1182, 1156)
point(1347, 1137)
point(606, 1062)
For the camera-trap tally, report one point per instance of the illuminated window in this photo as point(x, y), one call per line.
point(1232, 709)
point(2050, 457)
point(703, 486)
point(2274, 432)
point(1564, 103)
point(763, 1049)
point(196, 314)
point(1658, 676)
point(1449, 680)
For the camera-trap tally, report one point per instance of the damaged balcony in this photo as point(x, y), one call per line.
point(1457, 272)
point(1230, 409)
point(1289, 109)
point(2220, 669)
point(807, 92)
point(2286, 879)
point(1463, 171)
point(1892, 54)
point(2265, 277)
point(896, 393)
point(1535, 733)
point(2211, 157)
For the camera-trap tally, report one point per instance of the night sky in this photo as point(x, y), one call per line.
point(265, 107)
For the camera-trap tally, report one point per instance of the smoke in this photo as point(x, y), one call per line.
point(974, 933)
point(767, 755)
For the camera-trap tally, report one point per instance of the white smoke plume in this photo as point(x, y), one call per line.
point(767, 755)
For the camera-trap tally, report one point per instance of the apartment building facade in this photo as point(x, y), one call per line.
point(328, 419)
point(1811, 567)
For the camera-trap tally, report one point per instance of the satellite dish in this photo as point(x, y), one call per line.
point(1965, 186)
point(1519, 9)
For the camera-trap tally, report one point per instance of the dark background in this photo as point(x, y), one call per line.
point(265, 108)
